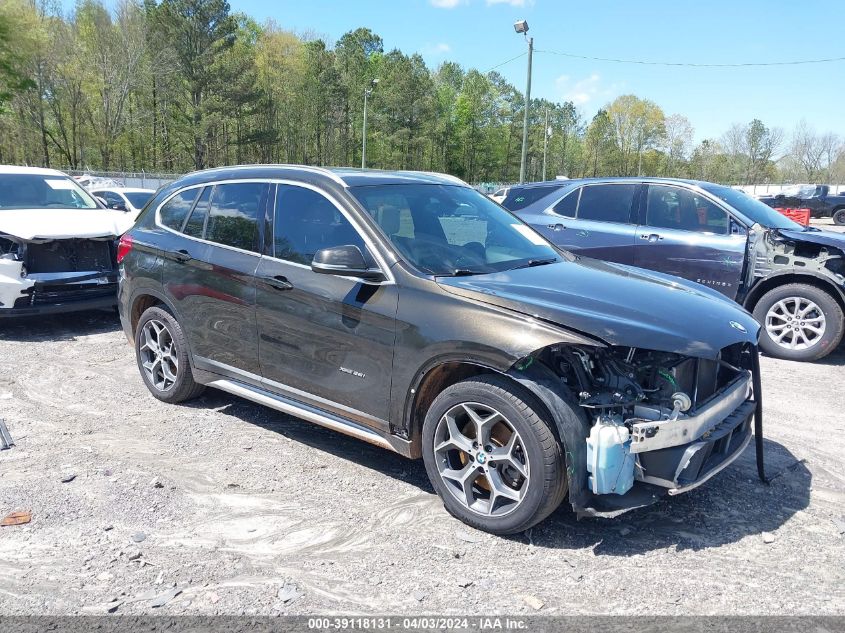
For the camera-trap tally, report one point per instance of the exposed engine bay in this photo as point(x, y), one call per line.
point(46, 273)
point(658, 418)
point(773, 250)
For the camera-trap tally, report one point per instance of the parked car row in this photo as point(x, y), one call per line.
point(526, 361)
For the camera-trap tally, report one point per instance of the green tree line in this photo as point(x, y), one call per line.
point(177, 85)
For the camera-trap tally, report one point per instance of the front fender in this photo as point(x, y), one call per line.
point(570, 421)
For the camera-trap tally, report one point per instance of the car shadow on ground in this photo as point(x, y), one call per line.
point(733, 505)
point(58, 327)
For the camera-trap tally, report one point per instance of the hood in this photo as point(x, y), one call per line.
point(620, 305)
point(821, 237)
point(57, 224)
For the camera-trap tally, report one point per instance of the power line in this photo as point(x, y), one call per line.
point(505, 62)
point(693, 65)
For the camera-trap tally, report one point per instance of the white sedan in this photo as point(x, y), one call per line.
point(124, 198)
point(57, 244)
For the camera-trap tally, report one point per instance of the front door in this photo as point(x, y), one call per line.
point(685, 234)
point(323, 339)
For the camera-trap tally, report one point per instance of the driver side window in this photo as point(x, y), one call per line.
point(305, 221)
point(684, 210)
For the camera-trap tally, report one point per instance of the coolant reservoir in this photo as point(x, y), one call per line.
point(609, 459)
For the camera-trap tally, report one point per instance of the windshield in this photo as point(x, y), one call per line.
point(38, 191)
point(452, 230)
point(138, 198)
point(753, 209)
point(799, 191)
point(520, 197)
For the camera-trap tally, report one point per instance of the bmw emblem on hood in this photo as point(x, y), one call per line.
point(738, 326)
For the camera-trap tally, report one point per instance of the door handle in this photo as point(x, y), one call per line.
point(556, 227)
point(279, 282)
point(651, 237)
point(182, 256)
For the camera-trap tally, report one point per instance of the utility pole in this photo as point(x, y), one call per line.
point(546, 133)
point(367, 93)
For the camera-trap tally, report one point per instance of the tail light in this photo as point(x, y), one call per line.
point(124, 246)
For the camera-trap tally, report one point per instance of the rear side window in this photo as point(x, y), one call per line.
point(307, 221)
point(607, 203)
point(568, 205)
point(175, 210)
point(684, 210)
point(196, 223)
point(233, 216)
point(520, 197)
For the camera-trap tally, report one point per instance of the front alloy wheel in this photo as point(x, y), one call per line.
point(795, 323)
point(481, 459)
point(492, 454)
point(800, 322)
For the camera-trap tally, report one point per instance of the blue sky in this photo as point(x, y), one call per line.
point(479, 34)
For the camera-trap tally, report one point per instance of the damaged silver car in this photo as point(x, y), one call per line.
point(57, 244)
point(790, 277)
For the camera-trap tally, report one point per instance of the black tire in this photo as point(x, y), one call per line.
point(839, 217)
point(541, 451)
point(827, 305)
point(184, 387)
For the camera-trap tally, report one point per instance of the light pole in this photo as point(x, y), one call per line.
point(367, 92)
point(521, 26)
point(547, 132)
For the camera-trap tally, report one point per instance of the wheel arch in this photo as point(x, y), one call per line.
point(569, 421)
point(790, 277)
point(145, 298)
point(430, 382)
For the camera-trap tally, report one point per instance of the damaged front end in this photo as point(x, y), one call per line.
point(655, 422)
point(56, 275)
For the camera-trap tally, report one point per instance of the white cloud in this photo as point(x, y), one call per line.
point(441, 48)
point(445, 4)
point(583, 91)
point(513, 3)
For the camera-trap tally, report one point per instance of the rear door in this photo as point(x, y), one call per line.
point(595, 220)
point(684, 233)
point(210, 276)
point(324, 340)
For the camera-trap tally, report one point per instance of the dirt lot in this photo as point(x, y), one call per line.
point(222, 506)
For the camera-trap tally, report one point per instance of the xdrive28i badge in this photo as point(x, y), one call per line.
point(738, 326)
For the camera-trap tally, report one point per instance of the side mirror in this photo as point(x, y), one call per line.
point(118, 206)
point(345, 261)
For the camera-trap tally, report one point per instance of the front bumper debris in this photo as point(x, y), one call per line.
point(676, 456)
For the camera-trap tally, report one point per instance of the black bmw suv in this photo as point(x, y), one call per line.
point(408, 310)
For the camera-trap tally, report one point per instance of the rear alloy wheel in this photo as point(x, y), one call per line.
point(839, 217)
point(161, 351)
point(800, 322)
point(492, 456)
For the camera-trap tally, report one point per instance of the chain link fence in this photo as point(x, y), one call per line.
point(142, 180)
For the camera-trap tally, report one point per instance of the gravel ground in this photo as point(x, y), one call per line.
point(224, 507)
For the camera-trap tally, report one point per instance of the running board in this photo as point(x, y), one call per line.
point(299, 410)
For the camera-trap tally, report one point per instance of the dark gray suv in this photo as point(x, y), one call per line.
point(410, 311)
